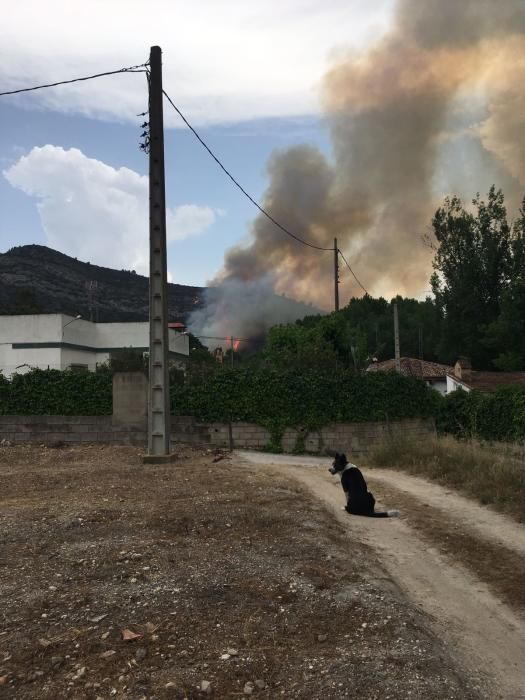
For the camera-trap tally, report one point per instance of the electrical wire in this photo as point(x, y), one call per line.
point(228, 337)
point(137, 69)
point(353, 273)
point(129, 69)
point(237, 184)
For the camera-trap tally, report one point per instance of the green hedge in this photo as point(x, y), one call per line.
point(497, 416)
point(310, 398)
point(54, 393)
point(279, 399)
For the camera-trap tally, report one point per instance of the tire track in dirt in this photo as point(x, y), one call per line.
point(486, 522)
point(488, 635)
point(499, 566)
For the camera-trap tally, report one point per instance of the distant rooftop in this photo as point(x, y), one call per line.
point(412, 367)
point(490, 381)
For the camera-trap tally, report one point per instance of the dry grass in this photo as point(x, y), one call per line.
point(492, 473)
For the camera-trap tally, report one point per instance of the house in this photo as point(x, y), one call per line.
point(433, 373)
point(464, 377)
point(58, 341)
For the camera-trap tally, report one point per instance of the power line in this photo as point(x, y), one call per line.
point(137, 69)
point(353, 273)
point(129, 69)
point(237, 184)
point(214, 337)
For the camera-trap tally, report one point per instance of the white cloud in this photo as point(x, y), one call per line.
point(95, 212)
point(188, 220)
point(224, 60)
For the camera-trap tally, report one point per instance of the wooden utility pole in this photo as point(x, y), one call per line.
point(159, 390)
point(396, 340)
point(336, 275)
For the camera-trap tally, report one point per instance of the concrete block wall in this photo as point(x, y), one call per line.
point(73, 430)
point(353, 438)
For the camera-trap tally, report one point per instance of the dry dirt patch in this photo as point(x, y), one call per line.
point(226, 576)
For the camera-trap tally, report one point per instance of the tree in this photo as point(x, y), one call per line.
point(472, 266)
point(352, 337)
point(506, 336)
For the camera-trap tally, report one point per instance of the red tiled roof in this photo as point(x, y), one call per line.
point(412, 367)
point(490, 381)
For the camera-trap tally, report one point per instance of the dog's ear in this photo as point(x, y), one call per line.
point(336, 455)
point(343, 457)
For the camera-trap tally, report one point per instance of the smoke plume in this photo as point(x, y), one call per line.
point(449, 78)
point(243, 310)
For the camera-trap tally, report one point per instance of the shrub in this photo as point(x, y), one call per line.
point(52, 392)
point(498, 416)
point(312, 398)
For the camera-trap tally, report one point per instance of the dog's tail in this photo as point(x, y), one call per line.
point(387, 514)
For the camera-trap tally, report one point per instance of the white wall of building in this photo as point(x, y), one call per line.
point(439, 385)
point(453, 383)
point(71, 341)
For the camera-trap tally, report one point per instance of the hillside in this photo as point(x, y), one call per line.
point(37, 279)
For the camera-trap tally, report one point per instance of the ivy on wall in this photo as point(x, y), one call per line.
point(312, 398)
point(55, 393)
point(278, 399)
point(496, 416)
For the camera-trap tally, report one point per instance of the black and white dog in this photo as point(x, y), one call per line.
point(359, 500)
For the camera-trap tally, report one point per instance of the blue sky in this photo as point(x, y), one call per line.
point(71, 172)
point(191, 176)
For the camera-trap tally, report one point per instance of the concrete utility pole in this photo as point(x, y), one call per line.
point(396, 340)
point(336, 275)
point(159, 390)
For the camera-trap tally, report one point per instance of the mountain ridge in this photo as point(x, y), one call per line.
point(42, 280)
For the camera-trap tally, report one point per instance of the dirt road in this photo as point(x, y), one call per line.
point(461, 563)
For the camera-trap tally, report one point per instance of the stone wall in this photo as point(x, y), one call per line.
point(354, 438)
point(73, 430)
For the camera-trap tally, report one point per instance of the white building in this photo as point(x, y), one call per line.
point(58, 341)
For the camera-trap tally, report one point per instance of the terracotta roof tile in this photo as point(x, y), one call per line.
point(490, 381)
point(412, 367)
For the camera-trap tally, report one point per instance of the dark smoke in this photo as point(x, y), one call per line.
point(244, 310)
point(389, 114)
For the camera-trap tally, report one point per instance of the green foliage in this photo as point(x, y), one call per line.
point(505, 337)
point(498, 416)
point(474, 259)
point(310, 398)
point(353, 336)
point(300, 443)
point(54, 393)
